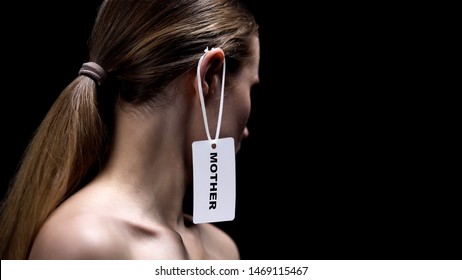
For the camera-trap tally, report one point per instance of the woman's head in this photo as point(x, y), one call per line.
point(144, 44)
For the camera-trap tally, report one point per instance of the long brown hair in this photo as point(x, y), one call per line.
point(142, 45)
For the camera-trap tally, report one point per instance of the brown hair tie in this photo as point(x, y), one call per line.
point(93, 71)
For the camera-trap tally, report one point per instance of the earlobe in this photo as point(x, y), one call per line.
point(211, 67)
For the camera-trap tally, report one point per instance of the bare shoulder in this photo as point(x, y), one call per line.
point(79, 237)
point(218, 243)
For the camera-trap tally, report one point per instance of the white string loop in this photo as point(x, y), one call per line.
point(201, 96)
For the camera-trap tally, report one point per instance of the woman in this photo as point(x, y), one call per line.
point(105, 175)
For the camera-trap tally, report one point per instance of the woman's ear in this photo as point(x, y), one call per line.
point(211, 71)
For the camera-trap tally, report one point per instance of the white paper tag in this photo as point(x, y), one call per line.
point(214, 189)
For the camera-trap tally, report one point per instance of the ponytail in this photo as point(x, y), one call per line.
point(62, 151)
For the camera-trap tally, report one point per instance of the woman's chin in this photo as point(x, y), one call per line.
point(244, 135)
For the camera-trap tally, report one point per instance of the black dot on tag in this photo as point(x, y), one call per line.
point(214, 146)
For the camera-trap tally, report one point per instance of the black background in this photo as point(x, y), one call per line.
point(347, 156)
